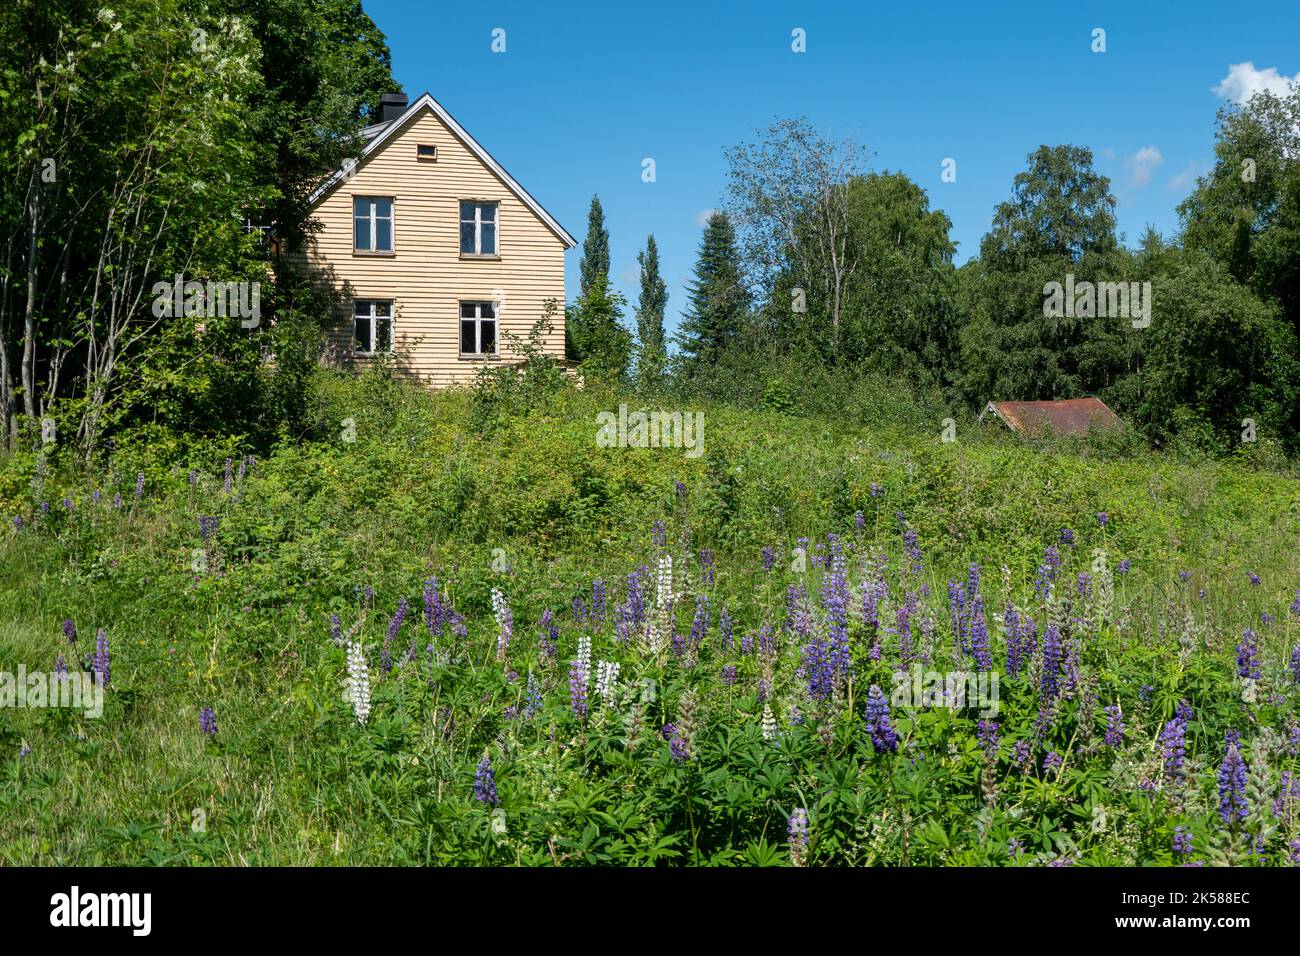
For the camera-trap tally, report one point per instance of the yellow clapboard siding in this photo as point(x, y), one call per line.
point(426, 277)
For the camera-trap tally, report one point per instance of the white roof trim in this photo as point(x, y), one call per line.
point(383, 132)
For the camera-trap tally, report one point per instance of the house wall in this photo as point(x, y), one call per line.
point(426, 276)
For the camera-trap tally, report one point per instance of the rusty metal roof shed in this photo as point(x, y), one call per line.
point(1067, 416)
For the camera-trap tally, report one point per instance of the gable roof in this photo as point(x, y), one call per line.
point(380, 133)
point(1067, 416)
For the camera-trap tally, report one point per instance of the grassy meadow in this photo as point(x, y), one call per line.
point(758, 602)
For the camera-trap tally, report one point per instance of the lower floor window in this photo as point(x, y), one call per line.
point(372, 326)
point(478, 328)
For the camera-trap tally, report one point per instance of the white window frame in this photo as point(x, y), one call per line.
point(374, 325)
point(373, 217)
point(478, 221)
point(478, 319)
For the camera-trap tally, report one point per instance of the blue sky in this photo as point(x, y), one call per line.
point(584, 92)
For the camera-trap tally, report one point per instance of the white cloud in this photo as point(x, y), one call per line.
point(1142, 164)
point(1106, 153)
point(1184, 181)
point(1244, 81)
point(702, 217)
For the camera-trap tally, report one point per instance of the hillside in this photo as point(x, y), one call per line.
point(753, 716)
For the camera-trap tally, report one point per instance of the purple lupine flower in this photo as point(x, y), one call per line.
point(797, 829)
point(667, 731)
point(548, 639)
point(1295, 663)
point(532, 696)
point(1053, 656)
point(835, 598)
point(1145, 692)
point(724, 626)
point(18, 522)
point(60, 668)
point(598, 601)
point(139, 485)
point(1052, 761)
point(859, 520)
point(678, 749)
point(1122, 566)
point(1182, 841)
point(95, 496)
point(700, 623)
point(706, 565)
point(67, 504)
point(635, 596)
point(1067, 536)
point(70, 631)
point(194, 479)
point(766, 641)
point(1015, 848)
point(817, 669)
point(208, 525)
point(729, 675)
point(875, 490)
point(769, 559)
point(578, 689)
point(208, 721)
point(45, 507)
point(679, 487)
point(433, 613)
point(1102, 518)
point(1288, 798)
point(913, 550)
point(1248, 656)
point(1085, 585)
point(903, 619)
point(1295, 605)
point(1114, 726)
point(1232, 786)
point(1184, 576)
point(102, 665)
point(386, 658)
point(879, 724)
point(660, 532)
point(1254, 578)
point(485, 783)
point(336, 631)
point(579, 611)
point(226, 483)
point(979, 636)
point(987, 733)
point(1020, 753)
point(1173, 744)
point(746, 644)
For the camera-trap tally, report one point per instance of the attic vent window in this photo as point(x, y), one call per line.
point(426, 152)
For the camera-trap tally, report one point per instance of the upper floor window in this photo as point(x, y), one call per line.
point(426, 151)
point(478, 328)
point(372, 220)
point(372, 326)
point(478, 228)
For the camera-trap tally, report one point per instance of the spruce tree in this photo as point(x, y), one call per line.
point(718, 301)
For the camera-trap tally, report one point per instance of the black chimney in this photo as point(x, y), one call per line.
point(391, 106)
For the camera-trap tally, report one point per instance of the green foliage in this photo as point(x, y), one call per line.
point(718, 301)
point(415, 490)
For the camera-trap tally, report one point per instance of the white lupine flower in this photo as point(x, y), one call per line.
point(606, 679)
point(584, 656)
point(664, 582)
point(505, 622)
point(769, 722)
point(358, 681)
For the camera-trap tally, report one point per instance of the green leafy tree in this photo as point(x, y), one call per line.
point(1058, 222)
point(594, 264)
